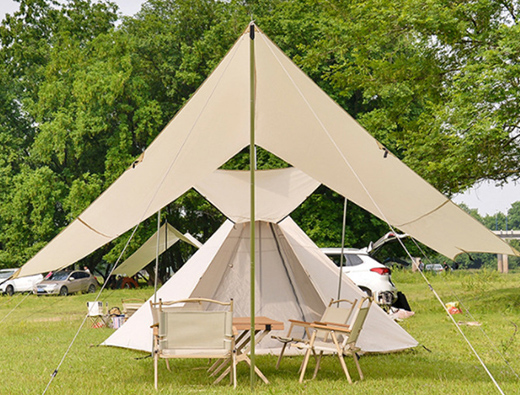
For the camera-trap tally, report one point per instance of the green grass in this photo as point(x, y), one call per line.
point(36, 335)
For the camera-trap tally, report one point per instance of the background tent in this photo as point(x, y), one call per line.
point(294, 279)
point(168, 236)
point(295, 120)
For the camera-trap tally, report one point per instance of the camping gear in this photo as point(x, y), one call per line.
point(130, 306)
point(453, 308)
point(187, 333)
point(296, 121)
point(294, 279)
point(333, 313)
point(148, 250)
point(96, 314)
point(326, 338)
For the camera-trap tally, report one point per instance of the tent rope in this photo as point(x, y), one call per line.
point(55, 372)
point(432, 289)
point(15, 307)
point(456, 296)
point(378, 208)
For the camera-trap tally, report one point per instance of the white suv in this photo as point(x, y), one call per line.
point(368, 274)
point(19, 284)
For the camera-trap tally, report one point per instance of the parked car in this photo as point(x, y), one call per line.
point(20, 284)
point(67, 282)
point(434, 267)
point(366, 272)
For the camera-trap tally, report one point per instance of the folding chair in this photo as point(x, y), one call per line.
point(326, 339)
point(333, 313)
point(130, 306)
point(96, 314)
point(181, 331)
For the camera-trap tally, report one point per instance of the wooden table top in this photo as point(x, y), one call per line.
point(261, 323)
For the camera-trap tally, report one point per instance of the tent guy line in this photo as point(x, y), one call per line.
point(441, 302)
point(322, 125)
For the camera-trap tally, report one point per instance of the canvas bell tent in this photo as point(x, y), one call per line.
point(293, 119)
point(145, 254)
point(293, 279)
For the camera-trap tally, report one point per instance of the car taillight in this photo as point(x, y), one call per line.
point(381, 270)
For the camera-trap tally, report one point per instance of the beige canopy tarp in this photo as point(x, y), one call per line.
point(295, 120)
point(145, 254)
point(277, 193)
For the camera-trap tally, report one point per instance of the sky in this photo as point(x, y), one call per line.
point(486, 197)
point(489, 199)
point(127, 7)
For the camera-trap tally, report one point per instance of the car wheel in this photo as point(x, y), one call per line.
point(91, 289)
point(9, 290)
point(366, 290)
point(64, 291)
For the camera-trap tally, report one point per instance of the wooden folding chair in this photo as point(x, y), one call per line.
point(327, 336)
point(181, 331)
point(130, 306)
point(333, 313)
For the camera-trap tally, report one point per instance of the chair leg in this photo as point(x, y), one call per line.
point(234, 362)
point(281, 356)
point(155, 365)
point(318, 362)
point(307, 356)
point(356, 359)
point(339, 351)
point(218, 366)
point(168, 365)
point(344, 366)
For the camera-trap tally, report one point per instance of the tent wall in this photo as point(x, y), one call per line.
point(293, 281)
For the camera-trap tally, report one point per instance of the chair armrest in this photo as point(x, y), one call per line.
point(338, 325)
point(331, 327)
point(300, 323)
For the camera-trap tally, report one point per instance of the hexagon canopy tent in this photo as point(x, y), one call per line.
point(295, 120)
point(293, 280)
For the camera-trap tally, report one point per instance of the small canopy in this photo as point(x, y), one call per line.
point(277, 193)
point(296, 121)
point(168, 236)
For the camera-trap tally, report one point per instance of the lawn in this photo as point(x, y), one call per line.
point(37, 334)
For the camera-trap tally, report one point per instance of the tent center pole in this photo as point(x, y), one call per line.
point(252, 168)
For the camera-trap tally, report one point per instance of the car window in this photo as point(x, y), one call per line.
point(6, 273)
point(80, 275)
point(353, 260)
point(59, 276)
point(350, 259)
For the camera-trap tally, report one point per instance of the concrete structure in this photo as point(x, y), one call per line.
point(503, 260)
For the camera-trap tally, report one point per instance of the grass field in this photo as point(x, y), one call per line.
point(36, 335)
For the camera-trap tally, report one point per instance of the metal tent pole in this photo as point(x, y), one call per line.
point(252, 167)
point(342, 256)
point(156, 280)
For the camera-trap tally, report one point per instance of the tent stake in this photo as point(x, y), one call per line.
point(252, 168)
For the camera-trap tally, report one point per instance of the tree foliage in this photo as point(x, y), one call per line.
point(84, 93)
